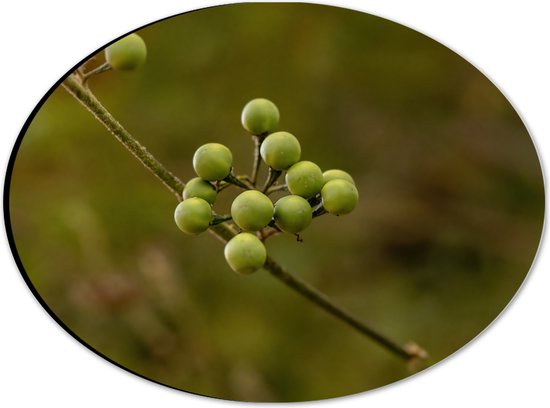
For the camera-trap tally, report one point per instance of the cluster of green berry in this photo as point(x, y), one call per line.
point(312, 192)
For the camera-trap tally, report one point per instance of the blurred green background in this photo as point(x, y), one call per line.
point(450, 215)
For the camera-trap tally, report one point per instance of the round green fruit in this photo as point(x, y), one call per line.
point(337, 174)
point(339, 196)
point(193, 215)
point(304, 179)
point(126, 54)
point(260, 116)
point(200, 188)
point(280, 150)
point(245, 253)
point(212, 161)
point(292, 213)
point(252, 210)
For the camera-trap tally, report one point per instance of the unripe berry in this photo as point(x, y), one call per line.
point(245, 253)
point(292, 213)
point(252, 210)
point(212, 161)
point(337, 174)
point(280, 150)
point(200, 188)
point(193, 215)
point(126, 54)
point(260, 116)
point(304, 179)
point(339, 197)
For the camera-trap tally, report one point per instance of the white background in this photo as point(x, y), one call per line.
point(41, 365)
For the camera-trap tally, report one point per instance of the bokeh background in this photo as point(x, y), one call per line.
point(450, 215)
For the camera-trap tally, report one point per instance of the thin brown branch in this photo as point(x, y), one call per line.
point(74, 86)
point(225, 231)
point(256, 161)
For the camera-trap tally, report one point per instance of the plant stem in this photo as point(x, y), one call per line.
point(315, 200)
point(218, 219)
point(318, 211)
point(222, 186)
point(256, 164)
point(102, 68)
point(74, 86)
point(237, 181)
point(407, 351)
point(274, 188)
point(272, 177)
point(224, 231)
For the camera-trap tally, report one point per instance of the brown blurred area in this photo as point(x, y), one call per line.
point(449, 221)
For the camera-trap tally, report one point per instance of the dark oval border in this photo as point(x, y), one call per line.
point(28, 121)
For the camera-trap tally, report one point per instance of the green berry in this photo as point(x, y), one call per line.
point(280, 150)
point(245, 253)
point(212, 161)
point(292, 213)
point(126, 54)
point(336, 174)
point(260, 116)
point(198, 187)
point(252, 210)
point(193, 215)
point(339, 196)
point(304, 179)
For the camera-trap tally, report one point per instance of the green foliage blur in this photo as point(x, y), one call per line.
point(448, 224)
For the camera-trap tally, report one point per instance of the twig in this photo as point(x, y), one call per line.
point(269, 231)
point(318, 211)
point(276, 187)
point(102, 68)
point(218, 219)
point(225, 231)
point(407, 351)
point(272, 177)
point(73, 85)
point(256, 164)
point(242, 183)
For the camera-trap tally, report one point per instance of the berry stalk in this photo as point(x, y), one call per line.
point(96, 71)
point(257, 161)
point(272, 177)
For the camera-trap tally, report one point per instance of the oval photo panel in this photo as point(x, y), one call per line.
point(274, 202)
